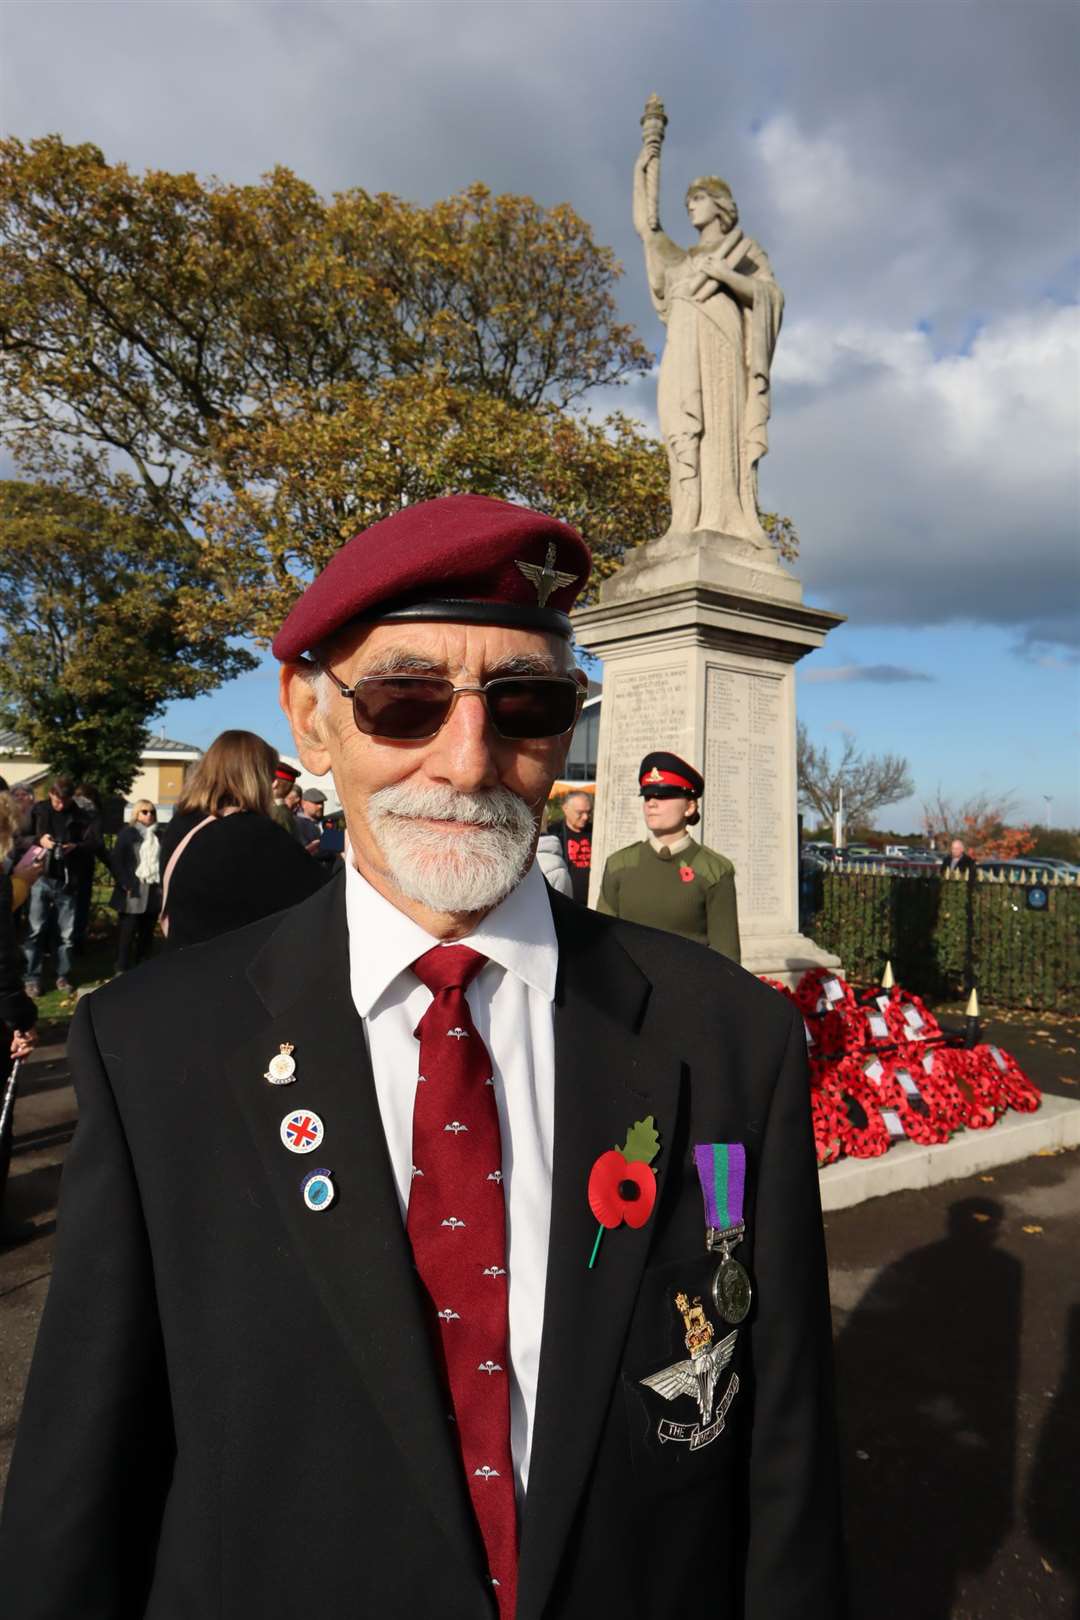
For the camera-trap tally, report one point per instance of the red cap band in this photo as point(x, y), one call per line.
point(657, 778)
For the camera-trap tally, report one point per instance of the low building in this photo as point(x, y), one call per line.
point(162, 768)
point(585, 744)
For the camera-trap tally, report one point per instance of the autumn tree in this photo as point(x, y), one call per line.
point(868, 781)
point(985, 823)
point(266, 370)
point(91, 648)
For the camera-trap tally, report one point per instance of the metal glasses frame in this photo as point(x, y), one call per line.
point(459, 691)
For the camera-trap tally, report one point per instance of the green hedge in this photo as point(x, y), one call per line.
point(1020, 957)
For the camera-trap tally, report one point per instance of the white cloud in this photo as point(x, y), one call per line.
point(933, 489)
point(911, 191)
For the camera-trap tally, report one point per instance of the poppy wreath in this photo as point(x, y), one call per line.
point(1020, 1092)
point(930, 1070)
point(833, 1020)
point(923, 1113)
point(830, 1122)
point(848, 1086)
point(909, 1019)
point(788, 993)
point(784, 989)
point(981, 1101)
point(810, 992)
point(934, 1078)
point(872, 1006)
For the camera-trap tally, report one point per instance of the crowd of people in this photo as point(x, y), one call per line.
point(246, 840)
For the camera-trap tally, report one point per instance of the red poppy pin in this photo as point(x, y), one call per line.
point(621, 1185)
point(686, 873)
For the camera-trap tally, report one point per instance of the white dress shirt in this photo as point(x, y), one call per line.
point(510, 1000)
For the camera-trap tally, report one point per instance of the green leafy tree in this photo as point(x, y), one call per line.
point(265, 370)
point(92, 647)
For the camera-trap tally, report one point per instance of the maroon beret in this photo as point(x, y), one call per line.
point(464, 557)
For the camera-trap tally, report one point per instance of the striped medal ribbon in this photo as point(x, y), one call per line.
point(721, 1168)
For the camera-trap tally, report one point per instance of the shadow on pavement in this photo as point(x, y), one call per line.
point(31, 1194)
point(34, 1083)
point(927, 1369)
point(1053, 1493)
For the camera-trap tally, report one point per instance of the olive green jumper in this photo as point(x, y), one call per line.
point(643, 885)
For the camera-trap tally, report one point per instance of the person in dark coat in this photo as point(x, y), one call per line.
point(346, 1336)
point(93, 849)
point(238, 864)
point(136, 866)
point(18, 1014)
point(669, 880)
point(958, 859)
point(64, 832)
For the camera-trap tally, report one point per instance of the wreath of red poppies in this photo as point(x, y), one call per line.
point(913, 1071)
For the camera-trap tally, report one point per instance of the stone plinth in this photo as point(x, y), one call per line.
point(699, 639)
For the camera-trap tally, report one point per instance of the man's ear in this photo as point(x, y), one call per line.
point(300, 703)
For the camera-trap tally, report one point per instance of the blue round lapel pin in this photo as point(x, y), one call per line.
point(319, 1190)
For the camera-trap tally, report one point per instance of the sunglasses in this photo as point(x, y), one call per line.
point(413, 708)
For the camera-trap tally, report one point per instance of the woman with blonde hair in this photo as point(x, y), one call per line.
point(136, 866)
point(225, 862)
point(18, 1015)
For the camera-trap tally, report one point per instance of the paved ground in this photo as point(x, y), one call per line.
point(957, 1315)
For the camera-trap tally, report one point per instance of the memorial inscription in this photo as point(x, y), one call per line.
point(649, 708)
point(743, 810)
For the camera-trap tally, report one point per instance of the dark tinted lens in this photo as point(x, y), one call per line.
point(522, 708)
point(407, 708)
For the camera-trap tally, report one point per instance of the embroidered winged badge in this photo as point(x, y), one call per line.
point(546, 579)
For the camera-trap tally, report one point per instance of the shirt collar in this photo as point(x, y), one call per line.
point(673, 849)
point(519, 934)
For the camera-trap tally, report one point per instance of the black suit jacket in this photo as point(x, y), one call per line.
point(234, 1407)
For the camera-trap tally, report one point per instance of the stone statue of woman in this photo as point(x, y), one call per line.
point(722, 309)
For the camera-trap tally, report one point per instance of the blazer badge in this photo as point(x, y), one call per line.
point(697, 1377)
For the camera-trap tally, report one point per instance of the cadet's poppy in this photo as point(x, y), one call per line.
point(686, 873)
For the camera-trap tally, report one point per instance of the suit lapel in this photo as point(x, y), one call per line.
point(356, 1253)
point(606, 1077)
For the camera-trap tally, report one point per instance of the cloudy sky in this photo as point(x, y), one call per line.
point(910, 167)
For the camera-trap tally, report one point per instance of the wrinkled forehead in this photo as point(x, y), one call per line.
point(443, 647)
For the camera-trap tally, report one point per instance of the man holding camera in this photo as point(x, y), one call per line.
point(60, 828)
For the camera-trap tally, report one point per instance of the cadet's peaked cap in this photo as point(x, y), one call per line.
point(464, 557)
point(285, 773)
point(666, 776)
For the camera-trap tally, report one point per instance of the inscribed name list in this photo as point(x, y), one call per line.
point(742, 808)
point(649, 709)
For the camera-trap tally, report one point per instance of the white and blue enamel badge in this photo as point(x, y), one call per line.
point(319, 1190)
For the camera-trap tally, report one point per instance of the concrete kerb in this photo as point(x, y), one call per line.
point(907, 1166)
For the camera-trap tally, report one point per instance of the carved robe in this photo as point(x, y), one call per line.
point(713, 396)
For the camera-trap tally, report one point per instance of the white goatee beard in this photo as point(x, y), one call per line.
point(453, 871)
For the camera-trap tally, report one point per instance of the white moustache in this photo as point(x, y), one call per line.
point(491, 807)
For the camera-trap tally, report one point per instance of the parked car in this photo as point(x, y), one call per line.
point(1029, 866)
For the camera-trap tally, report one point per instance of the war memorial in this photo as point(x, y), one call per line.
point(701, 630)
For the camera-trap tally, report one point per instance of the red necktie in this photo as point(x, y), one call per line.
point(457, 1227)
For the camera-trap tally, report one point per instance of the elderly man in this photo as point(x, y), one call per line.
point(575, 836)
point(468, 1262)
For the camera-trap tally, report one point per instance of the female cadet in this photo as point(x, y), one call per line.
point(669, 880)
